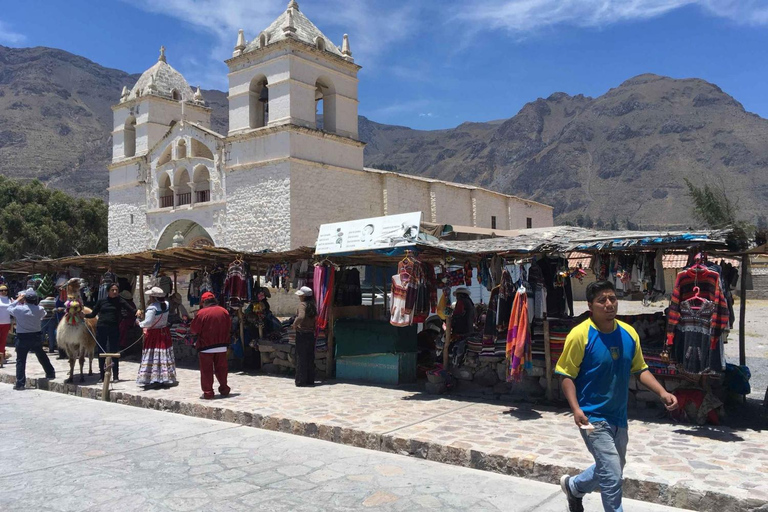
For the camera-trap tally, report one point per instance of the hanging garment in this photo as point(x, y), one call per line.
point(708, 283)
point(693, 338)
point(468, 273)
point(236, 285)
point(518, 338)
point(400, 315)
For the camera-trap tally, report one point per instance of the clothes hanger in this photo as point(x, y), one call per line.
point(697, 297)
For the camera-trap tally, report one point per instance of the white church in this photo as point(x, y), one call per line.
point(291, 161)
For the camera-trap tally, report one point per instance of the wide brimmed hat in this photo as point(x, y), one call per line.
point(461, 289)
point(60, 282)
point(304, 291)
point(155, 291)
point(74, 280)
point(433, 327)
point(126, 295)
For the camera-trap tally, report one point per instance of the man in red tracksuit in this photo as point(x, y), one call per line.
point(212, 325)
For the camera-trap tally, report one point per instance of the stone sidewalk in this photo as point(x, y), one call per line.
point(708, 468)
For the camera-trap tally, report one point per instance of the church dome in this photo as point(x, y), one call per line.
point(162, 80)
point(295, 25)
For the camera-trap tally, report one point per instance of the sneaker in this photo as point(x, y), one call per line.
point(574, 503)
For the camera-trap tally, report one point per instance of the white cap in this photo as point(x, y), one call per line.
point(155, 291)
point(304, 291)
point(461, 289)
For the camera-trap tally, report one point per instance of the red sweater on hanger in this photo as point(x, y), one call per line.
point(708, 282)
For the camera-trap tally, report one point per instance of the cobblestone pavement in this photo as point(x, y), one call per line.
point(68, 454)
point(710, 469)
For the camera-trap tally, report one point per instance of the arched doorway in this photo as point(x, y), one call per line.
point(192, 235)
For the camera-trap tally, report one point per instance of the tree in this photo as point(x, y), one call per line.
point(631, 226)
point(35, 220)
point(588, 223)
point(614, 224)
point(712, 205)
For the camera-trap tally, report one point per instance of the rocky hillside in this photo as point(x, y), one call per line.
point(56, 120)
point(623, 154)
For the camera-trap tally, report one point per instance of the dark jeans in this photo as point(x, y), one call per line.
point(305, 358)
point(26, 343)
point(108, 337)
point(49, 329)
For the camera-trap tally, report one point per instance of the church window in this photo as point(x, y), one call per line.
point(201, 178)
point(165, 193)
point(258, 103)
point(320, 43)
point(262, 40)
point(325, 101)
point(183, 191)
point(493, 222)
point(129, 137)
point(528, 222)
point(175, 95)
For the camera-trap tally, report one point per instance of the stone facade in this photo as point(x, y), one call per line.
point(282, 170)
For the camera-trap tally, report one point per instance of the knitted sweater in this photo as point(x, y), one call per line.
point(709, 289)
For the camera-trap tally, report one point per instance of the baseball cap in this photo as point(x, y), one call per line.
point(207, 296)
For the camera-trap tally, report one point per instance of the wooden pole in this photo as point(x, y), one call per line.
point(548, 360)
point(107, 374)
point(743, 311)
point(447, 344)
point(142, 299)
point(330, 364)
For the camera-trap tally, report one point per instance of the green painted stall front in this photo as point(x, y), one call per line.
point(375, 351)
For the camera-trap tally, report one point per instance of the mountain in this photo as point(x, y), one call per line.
point(621, 155)
point(56, 120)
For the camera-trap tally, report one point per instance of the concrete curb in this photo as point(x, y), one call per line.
point(680, 496)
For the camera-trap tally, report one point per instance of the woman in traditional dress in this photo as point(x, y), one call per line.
point(158, 367)
point(306, 318)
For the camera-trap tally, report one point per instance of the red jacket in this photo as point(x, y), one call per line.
point(212, 325)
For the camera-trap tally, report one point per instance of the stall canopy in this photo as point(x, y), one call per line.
point(174, 259)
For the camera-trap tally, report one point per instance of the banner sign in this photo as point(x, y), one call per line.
point(366, 234)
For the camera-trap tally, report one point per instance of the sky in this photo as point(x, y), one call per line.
point(431, 64)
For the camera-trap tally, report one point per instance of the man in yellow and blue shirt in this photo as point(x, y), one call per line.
point(599, 356)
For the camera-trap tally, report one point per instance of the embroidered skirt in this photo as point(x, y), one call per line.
point(158, 365)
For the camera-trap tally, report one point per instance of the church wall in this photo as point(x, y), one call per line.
point(326, 150)
point(124, 236)
point(406, 195)
point(320, 195)
point(487, 205)
point(258, 214)
point(520, 209)
point(208, 215)
point(452, 204)
point(260, 147)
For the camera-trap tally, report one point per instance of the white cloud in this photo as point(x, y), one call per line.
point(8, 36)
point(395, 109)
point(522, 16)
point(371, 26)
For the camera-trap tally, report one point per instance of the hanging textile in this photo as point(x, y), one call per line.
point(468, 273)
point(518, 351)
point(696, 322)
point(323, 291)
point(400, 315)
point(236, 285)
